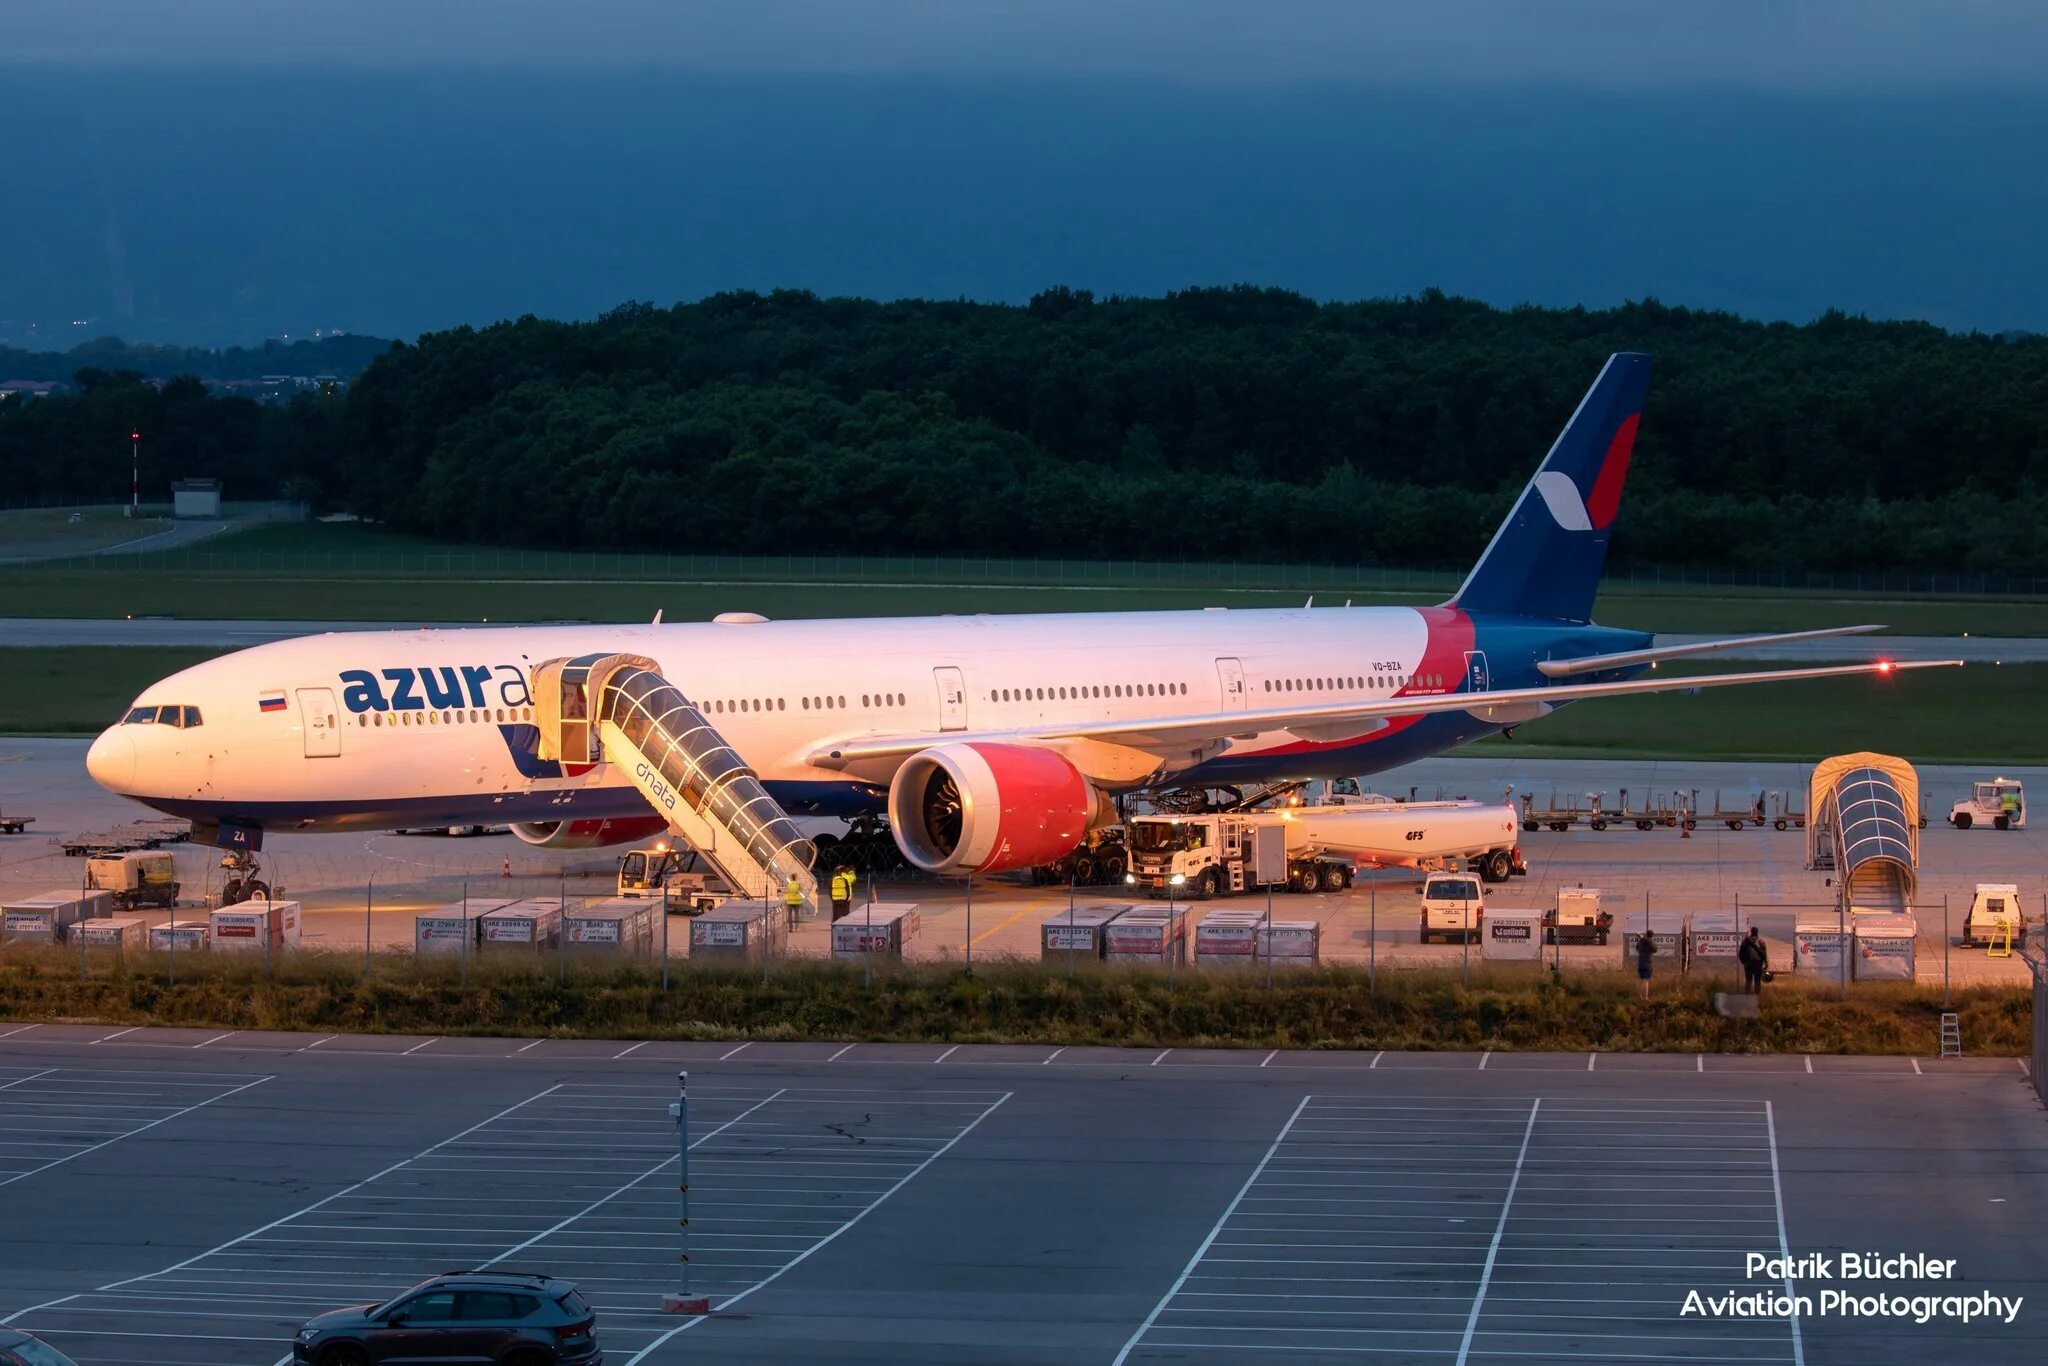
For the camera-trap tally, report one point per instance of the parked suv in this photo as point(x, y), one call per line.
point(26, 1349)
point(494, 1317)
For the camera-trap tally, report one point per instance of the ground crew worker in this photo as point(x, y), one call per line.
point(1646, 949)
point(842, 891)
point(792, 899)
point(1755, 957)
point(2010, 805)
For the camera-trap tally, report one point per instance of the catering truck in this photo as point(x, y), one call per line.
point(1315, 848)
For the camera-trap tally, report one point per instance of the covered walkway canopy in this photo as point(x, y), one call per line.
point(1865, 825)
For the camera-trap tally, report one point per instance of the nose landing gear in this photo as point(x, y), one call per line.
point(244, 881)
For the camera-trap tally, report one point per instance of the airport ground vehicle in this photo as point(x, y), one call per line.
point(14, 825)
point(1101, 859)
point(1577, 918)
point(2000, 803)
point(675, 867)
point(135, 879)
point(1453, 905)
point(472, 1316)
point(26, 1349)
point(1315, 848)
point(1995, 918)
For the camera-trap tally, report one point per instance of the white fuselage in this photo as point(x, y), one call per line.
point(375, 729)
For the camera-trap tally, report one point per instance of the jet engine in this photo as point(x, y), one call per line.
point(985, 808)
point(589, 834)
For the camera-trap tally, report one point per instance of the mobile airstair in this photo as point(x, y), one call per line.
point(1864, 828)
point(618, 709)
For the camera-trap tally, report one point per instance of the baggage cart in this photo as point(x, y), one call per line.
point(121, 932)
point(1883, 947)
point(447, 929)
point(1155, 934)
point(1512, 934)
point(46, 917)
point(1228, 937)
point(256, 926)
point(531, 923)
point(882, 928)
point(738, 929)
point(1079, 931)
point(618, 925)
point(1291, 943)
point(179, 936)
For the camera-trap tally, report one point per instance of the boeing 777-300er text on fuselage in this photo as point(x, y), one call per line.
point(993, 741)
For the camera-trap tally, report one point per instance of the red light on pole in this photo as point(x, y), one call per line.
point(134, 473)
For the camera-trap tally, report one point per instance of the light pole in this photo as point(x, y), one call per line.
point(682, 1301)
point(135, 473)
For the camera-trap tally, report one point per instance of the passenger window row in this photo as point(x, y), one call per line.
point(184, 718)
point(1362, 681)
point(1091, 691)
point(479, 715)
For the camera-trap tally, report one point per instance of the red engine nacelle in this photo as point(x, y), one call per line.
point(589, 834)
point(984, 808)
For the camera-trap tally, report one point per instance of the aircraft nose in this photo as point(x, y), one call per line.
point(111, 760)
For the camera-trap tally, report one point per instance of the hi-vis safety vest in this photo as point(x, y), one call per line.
point(792, 895)
point(842, 886)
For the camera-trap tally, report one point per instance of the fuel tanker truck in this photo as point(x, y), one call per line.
point(1316, 848)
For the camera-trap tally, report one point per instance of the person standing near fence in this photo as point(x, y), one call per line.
point(842, 891)
point(1646, 949)
point(792, 900)
point(1755, 957)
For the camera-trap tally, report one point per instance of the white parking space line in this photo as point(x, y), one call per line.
point(116, 1034)
point(417, 1047)
point(623, 1052)
point(568, 1178)
point(842, 1052)
point(1784, 1244)
point(526, 1048)
point(81, 1126)
point(1431, 1227)
point(1269, 1057)
point(734, 1052)
point(1161, 1058)
point(217, 1038)
point(1054, 1054)
point(19, 1029)
point(941, 1058)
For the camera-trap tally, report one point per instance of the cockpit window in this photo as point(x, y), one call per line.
point(183, 717)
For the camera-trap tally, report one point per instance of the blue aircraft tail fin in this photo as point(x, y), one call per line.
point(1545, 559)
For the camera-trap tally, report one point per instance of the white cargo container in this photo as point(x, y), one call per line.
point(1668, 931)
point(122, 932)
point(1227, 937)
point(257, 926)
point(534, 923)
point(45, 917)
point(178, 936)
point(1884, 947)
point(1817, 948)
point(1078, 931)
point(882, 927)
point(446, 929)
point(1512, 934)
point(1147, 934)
point(1296, 943)
point(738, 929)
point(1715, 936)
point(618, 925)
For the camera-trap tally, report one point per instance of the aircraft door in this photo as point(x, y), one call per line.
point(1230, 679)
point(952, 698)
point(1475, 671)
point(321, 721)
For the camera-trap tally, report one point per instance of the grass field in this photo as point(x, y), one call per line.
point(349, 572)
point(39, 532)
point(1005, 1002)
point(1930, 716)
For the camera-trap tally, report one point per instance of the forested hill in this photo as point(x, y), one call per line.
point(1205, 424)
point(342, 356)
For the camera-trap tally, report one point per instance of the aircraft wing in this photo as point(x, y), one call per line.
point(1626, 659)
point(1331, 721)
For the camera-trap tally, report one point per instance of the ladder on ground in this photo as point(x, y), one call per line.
point(2000, 944)
point(619, 709)
point(1951, 1035)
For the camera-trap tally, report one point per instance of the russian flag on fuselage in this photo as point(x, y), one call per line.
point(270, 701)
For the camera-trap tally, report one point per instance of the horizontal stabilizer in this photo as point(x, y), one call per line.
point(1629, 659)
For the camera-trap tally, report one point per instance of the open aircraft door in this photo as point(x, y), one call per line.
point(952, 698)
point(320, 721)
point(1230, 680)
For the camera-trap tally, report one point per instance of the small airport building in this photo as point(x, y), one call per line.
point(195, 498)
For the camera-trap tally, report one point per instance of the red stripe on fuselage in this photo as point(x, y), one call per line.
point(1605, 499)
point(1449, 640)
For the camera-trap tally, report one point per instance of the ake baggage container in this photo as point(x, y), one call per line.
point(1668, 931)
point(1291, 943)
point(738, 929)
point(1883, 948)
point(256, 926)
point(1078, 931)
point(534, 923)
point(883, 927)
point(1714, 936)
point(179, 936)
point(45, 917)
point(1512, 934)
point(446, 929)
point(617, 925)
point(1147, 934)
point(1227, 937)
point(122, 932)
point(1819, 946)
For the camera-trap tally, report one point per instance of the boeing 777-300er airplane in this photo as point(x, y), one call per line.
point(993, 742)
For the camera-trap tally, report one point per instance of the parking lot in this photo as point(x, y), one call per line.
point(890, 1203)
